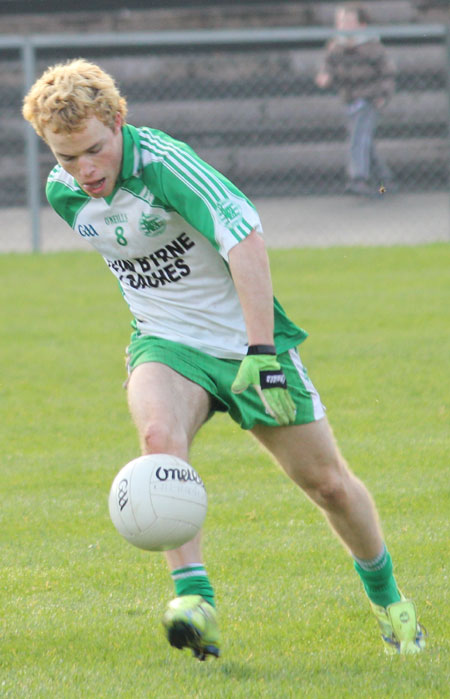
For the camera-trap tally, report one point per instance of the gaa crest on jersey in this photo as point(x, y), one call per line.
point(151, 225)
point(229, 212)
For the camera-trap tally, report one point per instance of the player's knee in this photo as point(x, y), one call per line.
point(333, 494)
point(162, 438)
point(331, 491)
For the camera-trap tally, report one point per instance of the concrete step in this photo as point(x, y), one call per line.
point(273, 159)
point(202, 16)
point(287, 114)
point(320, 159)
point(266, 118)
point(274, 70)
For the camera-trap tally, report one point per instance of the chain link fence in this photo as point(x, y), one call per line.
point(248, 103)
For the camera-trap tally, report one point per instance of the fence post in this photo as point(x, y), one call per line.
point(448, 118)
point(32, 153)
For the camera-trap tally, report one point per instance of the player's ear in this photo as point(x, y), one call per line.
point(118, 122)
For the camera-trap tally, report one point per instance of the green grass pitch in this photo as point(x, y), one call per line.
point(81, 608)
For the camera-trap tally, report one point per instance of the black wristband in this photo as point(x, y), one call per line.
point(261, 349)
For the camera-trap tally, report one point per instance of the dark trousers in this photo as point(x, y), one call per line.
point(363, 160)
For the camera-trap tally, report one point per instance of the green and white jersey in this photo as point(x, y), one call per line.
point(165, 233)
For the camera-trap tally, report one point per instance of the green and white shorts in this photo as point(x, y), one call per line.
point(216, 376)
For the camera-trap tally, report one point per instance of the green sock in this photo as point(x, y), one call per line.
point(378, 578)
point(193, 580)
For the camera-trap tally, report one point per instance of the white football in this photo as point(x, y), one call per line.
point(158, 502)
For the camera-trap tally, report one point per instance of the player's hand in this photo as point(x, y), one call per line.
point(263, 372)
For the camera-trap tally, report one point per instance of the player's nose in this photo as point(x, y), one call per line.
point(86, 166)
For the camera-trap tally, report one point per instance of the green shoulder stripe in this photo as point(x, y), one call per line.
point(196, 189)
point(204, 179)
point(64, 195)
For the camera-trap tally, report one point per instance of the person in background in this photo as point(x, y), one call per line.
point(358, 66)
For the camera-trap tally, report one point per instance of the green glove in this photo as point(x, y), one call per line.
point(261, 370)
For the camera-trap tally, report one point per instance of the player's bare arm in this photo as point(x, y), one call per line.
point(250, 270)
point(249, 265)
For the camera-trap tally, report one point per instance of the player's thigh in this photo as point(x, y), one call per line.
point(160, 398)
point(308, 453)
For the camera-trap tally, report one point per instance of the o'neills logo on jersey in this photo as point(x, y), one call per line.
point(151, 225)
point(116, 218)
point(178, 474)
point(229, 212)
